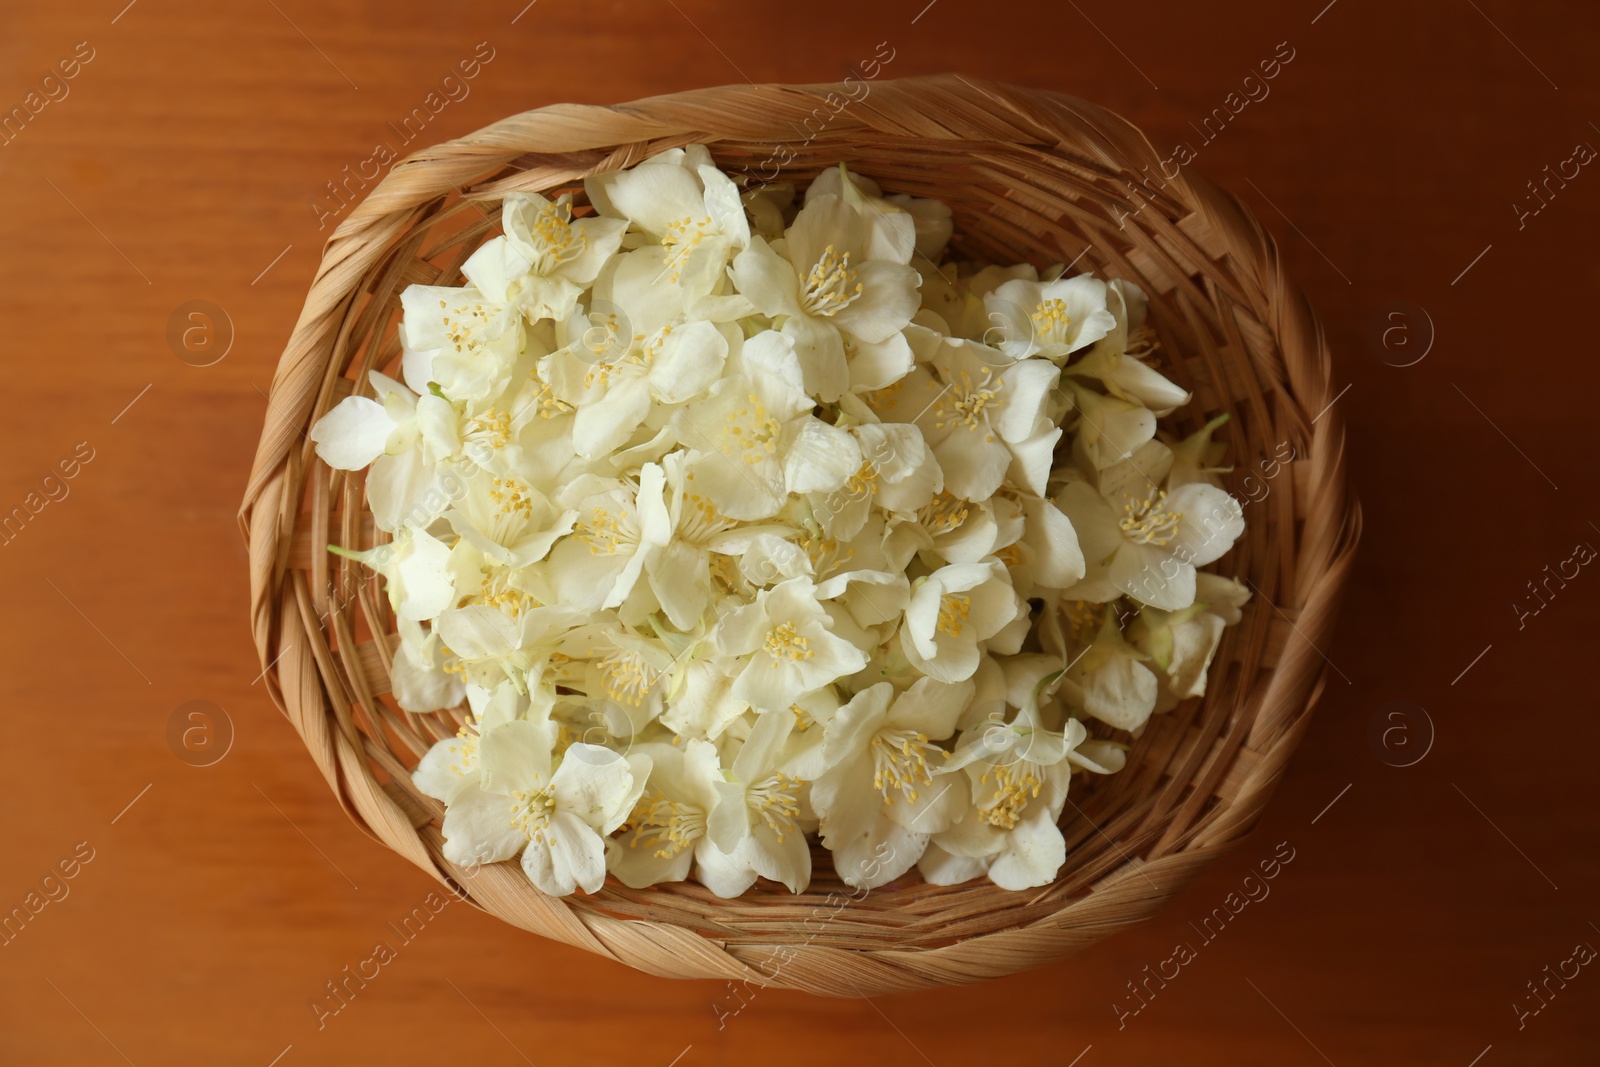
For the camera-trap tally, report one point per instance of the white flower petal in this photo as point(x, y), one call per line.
point(446, 768)
point(568, 856)
point(477, 828)
point(593, 783)
point(818, 458)
point(516, 757)
point(1034, 852)
point(1153, 576)
point(353, 434)
point(1212, 522)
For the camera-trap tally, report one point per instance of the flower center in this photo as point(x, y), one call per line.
point(699, 520)
point(512, 502)
point(1149, 521)
point(727, 576)
point(554, 240)
point(968, 401)
point(862, 484)
point(680, 238)
point(943, 513)
point(462, 327)
point(1142, 342)
point(881, 398)
point(1051, 321)
point(497, 592)
point(492, 428)
point(531, 811)
point(777, 801)
point(511, 497)
point(1011, 555)
point(831, 284)
point(1084, 620)
point(669, 825)
point(627, 677)
point(609, 533)
point(466, 753)
point(750, 433)
point(544, 399)
point(618, 356)
point(785, 642)
point(953, 611)
point(825, 554)
point(1015, 785)
point(900, 763)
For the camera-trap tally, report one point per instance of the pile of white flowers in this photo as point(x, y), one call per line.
point(736, 520)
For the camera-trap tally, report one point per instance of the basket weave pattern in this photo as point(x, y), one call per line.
point(1030, 176)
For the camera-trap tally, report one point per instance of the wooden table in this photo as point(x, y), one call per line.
point(189, 158)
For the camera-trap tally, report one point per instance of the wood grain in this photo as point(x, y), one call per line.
point(189, 152)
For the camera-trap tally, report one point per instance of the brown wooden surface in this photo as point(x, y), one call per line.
point(1388, 154)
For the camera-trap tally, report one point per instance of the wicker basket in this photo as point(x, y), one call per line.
point(1031, 176)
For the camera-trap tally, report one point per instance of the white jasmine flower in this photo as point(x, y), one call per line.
point(988, 419)
point(1048, 552)
point(453, 763)
point(1181, 644)
point(556, 819)
point(877, 365)
point(1049, 319)
point(666, 832)
point(951, 612)
point(871, 597)
point(1197, 458)
point(545, 258)
point(955, 297)
point(416, 572)
point(787, 636)
point(1110, 430)
point(419, 673)
point(757, 819)
point(756, 440)
point(630, 669)
point(878, 801)
point(821, 280)
point(1121, 371)
point(765, 205)
point(705, 705)
point(616, 528)
point(1148, 543)
point(1108, 678)
point(1018, 773)
point(458, 337)
point(680, 570)
point(402, 436)
point(684, 202)
point(635, 354)
point(493, 645)
point(898, 473)
point(956, 530)
point(508, 520)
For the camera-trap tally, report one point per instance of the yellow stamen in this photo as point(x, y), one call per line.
point(785, 642)
point(1149, 521)
point(831, 284)
point(1015, 785)
point(954, 608)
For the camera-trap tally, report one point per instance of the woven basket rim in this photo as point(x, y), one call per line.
point(1279, 351)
